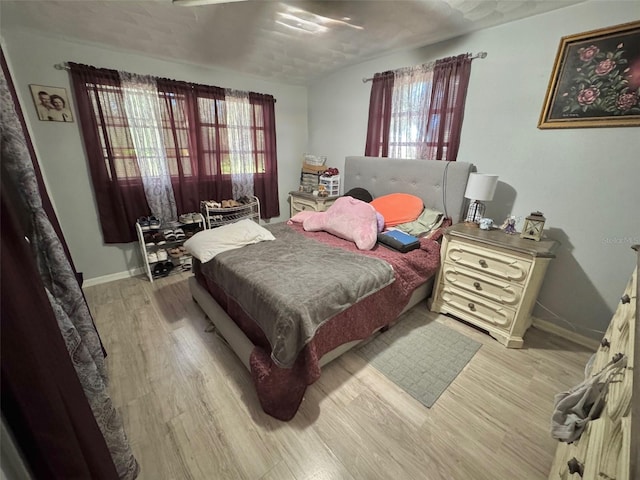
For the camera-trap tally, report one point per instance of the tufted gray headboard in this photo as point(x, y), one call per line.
point(440, 184)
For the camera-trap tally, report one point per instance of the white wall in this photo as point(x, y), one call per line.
point(60, 147)
point(585, 181)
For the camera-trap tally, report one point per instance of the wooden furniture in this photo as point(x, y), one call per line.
point(301, 201)
point(609, 447)
point(491, 279)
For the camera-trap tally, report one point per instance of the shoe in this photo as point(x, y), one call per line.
point(169, 235)
point(175, 252)
point(212, 204)
point(154, 223)
point(196, 218)
point(183, 251)
point(162, 255)
point(168, 266)
point(152, 257)
point(159, 239)
point(179, 234)
point(148, 240)
point(159, 270)
point(144, 224)
point(186, 218)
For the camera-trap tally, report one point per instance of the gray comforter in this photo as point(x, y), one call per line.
point(292, 285)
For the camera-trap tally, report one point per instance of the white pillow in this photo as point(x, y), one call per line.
point(207, 244)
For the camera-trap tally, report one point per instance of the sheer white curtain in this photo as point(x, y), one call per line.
point(409, 112)
point(145, 127)
point(241, 144)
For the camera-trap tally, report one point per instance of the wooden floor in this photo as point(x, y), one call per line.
point(190, 410)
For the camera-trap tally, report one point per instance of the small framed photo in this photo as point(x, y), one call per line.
point(595, 80)
point(52, 103)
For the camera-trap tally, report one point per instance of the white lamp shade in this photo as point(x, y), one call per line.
point(481, 186)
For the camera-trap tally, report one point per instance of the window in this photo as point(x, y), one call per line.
point(417, 112)
point(201, 136)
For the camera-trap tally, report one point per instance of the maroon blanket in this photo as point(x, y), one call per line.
point(281, 390)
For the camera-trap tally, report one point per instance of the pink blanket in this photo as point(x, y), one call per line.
point(281, 390)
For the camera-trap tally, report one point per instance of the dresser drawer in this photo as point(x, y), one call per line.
point(316, 204)
point(490, 262)
point(476, 309)
point(301, 204)
point(493, 288)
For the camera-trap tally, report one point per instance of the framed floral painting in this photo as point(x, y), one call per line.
point(595, 80)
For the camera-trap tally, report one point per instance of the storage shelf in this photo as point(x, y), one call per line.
point(177, 262)
point(216, 217)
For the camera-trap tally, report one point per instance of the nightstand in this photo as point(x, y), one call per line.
point(301, 201)
point(491, 279)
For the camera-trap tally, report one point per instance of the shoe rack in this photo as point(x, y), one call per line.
point(155, 247)
point(216, 216)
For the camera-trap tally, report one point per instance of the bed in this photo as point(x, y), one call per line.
point(283, 356)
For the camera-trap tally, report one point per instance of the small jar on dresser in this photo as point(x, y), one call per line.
point(303, 201)
point(491, 279)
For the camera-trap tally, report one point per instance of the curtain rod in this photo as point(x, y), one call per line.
point(431, 64)
point(62, 66)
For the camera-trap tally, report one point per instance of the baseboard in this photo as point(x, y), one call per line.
point(575, 337)
point(113, 277)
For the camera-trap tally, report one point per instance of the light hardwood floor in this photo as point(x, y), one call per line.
point(190, 410)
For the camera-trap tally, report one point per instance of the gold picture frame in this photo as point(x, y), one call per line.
point(52, 103)
point(595, 80)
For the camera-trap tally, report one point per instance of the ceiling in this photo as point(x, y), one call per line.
point(289, 41)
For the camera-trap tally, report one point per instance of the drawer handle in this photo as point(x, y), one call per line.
point(625, 298)
point(483, 263)
point(304, 207)
point(605, 343)
point(575, 466)
point(472, 307)
point(477, 285)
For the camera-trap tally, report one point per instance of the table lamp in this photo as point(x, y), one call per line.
point(480, 188)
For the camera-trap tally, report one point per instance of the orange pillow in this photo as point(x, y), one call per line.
point(397, 208)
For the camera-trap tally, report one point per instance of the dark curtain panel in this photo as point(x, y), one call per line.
point(43, 401)
point(116, 182)
point(448, 96)
point(265, 184)
point(211, 143)
point(191, 135)
point(379, 115)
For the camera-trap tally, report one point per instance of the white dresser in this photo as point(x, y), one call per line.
point(609, 447)
point(302, 201)
point(491, 279)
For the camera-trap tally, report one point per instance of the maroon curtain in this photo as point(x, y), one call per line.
point(43, 402)
point(121, 201)
point(191, 127)
point(379, 115)
point(42, 399)
point(446, 111)
point(265, 181)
